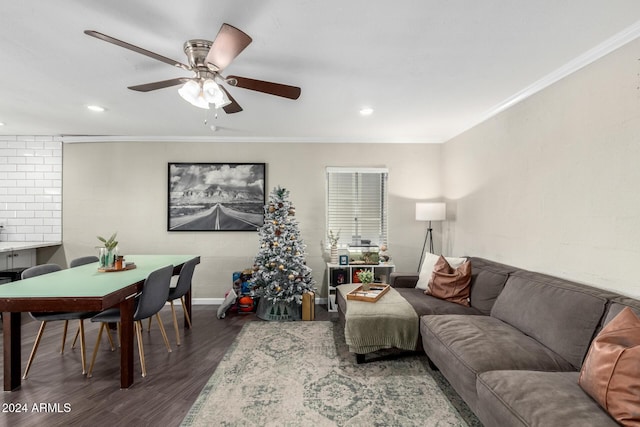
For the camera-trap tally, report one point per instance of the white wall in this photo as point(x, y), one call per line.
point(553, 183)
point(122, 186)
point(30, 189)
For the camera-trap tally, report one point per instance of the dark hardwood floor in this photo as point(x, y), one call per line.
point(57, 394)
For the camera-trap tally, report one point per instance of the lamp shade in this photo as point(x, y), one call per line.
point(192, 93)
point(213, 94)
point(431, 211)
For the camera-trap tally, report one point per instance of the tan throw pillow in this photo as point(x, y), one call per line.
point(611, 371)
point(451, 284)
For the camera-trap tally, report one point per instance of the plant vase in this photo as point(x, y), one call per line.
point(334, 254)
point(268, 310)
point(107, 258)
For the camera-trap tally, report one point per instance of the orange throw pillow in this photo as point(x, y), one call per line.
point(451, 284)
point(611, 371)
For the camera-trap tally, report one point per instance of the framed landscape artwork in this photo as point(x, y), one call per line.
point(216, 196)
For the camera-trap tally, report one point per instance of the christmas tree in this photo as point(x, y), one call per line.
point(280, 273)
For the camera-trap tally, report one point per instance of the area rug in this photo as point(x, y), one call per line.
point(302, 374)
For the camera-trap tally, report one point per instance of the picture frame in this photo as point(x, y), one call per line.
point(215, 196)
point(343, 260)
point(339, 276)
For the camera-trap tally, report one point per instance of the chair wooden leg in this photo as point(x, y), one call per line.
point(75, 338)
point(149, 325)
point(164, 333)
point(138, 326)
point(64, 335)
point(34, 349)
point(186, 313)
point(83, 354)
point(175, 322)
point(113, 348)
point(95, 351)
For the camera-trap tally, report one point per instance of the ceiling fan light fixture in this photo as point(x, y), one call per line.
point(211, 91)
point(200, 102)
point(192, 93)
point(224, 101)
point(213, 94)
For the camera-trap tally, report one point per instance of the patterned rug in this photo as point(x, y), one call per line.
point(301, 374)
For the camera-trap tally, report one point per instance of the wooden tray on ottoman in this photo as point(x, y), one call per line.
point(374, 293)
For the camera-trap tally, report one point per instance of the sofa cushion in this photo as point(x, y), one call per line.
point(611, 371)
point(618, 304)
point(561, 315)
point(449, 283)
point(426, 304)
point(487, 280)
point(403, 280)
point(464, 346)
point(530, 398)
point(426, 270)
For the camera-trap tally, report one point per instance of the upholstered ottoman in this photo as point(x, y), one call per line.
point(390, 322)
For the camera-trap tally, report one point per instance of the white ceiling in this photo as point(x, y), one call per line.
point(429, 68)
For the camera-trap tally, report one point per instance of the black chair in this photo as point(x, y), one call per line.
point(83, 260)
point(182, 287)
point(54, 316)
point(149, 302)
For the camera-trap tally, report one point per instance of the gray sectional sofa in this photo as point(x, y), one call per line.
point(515, 354)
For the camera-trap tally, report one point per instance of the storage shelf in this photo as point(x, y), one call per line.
point(381, 274)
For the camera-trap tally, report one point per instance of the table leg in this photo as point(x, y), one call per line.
point(11, 323)
point(126, 342)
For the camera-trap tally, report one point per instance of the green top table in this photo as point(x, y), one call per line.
point(81, 288)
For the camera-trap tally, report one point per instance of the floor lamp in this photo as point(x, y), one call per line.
point(429, 212)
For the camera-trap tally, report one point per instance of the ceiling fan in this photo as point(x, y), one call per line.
point(207, 60)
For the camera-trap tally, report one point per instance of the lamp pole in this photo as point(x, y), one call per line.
point(429, 237)
point(429, 212)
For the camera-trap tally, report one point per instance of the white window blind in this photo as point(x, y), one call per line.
point(357, 204)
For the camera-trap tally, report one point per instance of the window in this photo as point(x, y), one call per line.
point(357, 204)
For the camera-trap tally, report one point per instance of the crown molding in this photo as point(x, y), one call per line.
point(617, 41)
point(245, 139)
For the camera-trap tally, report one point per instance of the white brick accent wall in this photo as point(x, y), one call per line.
point(30, 188)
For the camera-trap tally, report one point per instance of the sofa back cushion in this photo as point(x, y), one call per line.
point(559, 314)
point(618, 304)
point(487, 280)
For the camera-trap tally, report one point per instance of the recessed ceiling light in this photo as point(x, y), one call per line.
point(366, 111)
point(1, 124)
point(96, 108)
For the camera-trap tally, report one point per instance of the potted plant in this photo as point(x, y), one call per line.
point(366, 278)
point(108, 251)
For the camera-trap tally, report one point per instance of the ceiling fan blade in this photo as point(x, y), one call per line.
point(148, 87)
point(228, 44)
point(134, 48)
point(278, 89)
point(234, 107)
